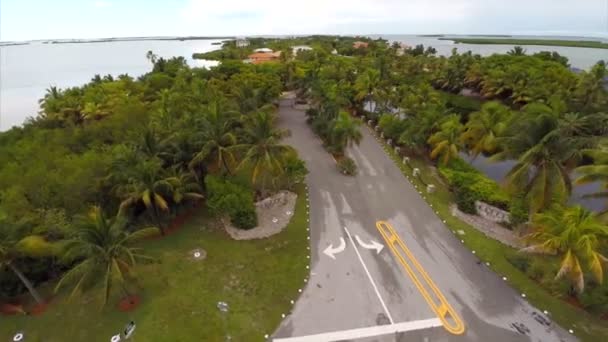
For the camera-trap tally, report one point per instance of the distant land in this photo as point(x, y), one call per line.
point(468, 35)
point(104, 40)
point(544, 42)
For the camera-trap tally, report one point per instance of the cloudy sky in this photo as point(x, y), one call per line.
point(42, 19)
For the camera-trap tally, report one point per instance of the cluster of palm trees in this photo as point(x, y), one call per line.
point(551, 121)
point(179, 125)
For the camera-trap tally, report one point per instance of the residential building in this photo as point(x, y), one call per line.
point(358, 45)
point(299, 48)
point(263, 57)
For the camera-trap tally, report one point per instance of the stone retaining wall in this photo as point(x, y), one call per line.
point(492, 213)
point(489, 228)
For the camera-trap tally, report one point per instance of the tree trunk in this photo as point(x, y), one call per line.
point(226, 166)
point(27, 283)
point(157, 218)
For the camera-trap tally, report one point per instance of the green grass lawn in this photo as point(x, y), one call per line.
point(585, 326)
point(179, 297)
point(545, 42)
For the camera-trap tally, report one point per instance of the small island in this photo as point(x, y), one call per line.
point(545, 42)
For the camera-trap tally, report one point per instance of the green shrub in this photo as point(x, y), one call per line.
point(518, 207)
point(521, 261)
point(225, 197)
point(295, 171)
point(245, 218)
point(347, 166)
point(536, 270)
point(466, 181)
point(465, 200)
point(595, 299)
point(392, 126)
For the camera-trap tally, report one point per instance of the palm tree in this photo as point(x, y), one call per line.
point(184, 186)
point(49, 102)
point(93, 111)
point(103, 252)
point(344, 132)
point(217, 137)
point(590, 92)
point(366, 84)
point(517, 51)
point(576, 236)
point(542, 151)
point(597, 172)
point(13, 246)
point(148, 186)
point(446, 142)
point(263, 152)
point(485, 126)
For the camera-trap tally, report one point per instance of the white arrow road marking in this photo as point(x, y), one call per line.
point(369, 276)
point(330, 251)
point(373, 245)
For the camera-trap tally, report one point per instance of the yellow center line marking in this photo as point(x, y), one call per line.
point(431, 294)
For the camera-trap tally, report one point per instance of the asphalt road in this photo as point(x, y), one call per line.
point(362, 288)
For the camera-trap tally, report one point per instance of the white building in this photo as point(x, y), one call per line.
point(242, 42)
point(263, 50)
point(299, 48)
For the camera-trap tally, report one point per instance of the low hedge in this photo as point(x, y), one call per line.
point(470, 185)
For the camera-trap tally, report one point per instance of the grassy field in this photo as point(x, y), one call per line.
point(547, 42)
point(585, 326)
point(179, 298)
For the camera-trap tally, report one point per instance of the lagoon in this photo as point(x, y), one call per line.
point(28, 70)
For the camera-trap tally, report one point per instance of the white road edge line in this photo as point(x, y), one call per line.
point(365, 332)
point(388, 314)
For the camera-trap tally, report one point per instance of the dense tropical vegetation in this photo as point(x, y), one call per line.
point(146, 148)
point(532, 110)
point(139, 151)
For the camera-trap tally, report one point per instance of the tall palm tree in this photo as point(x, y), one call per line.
point(13, 246)
point(263, 152)
point(148, 186)
point(596, 172)
point(103, 252)
point(543, 153)
point(446, 142)
point(345, 131)
point(49, 102)
point(216, 136)
point(366, 84)
point(517, 51)
point(575, 235)
point(485, 126)
point(591, 93)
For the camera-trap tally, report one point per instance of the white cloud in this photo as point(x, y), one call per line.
point(102, 4)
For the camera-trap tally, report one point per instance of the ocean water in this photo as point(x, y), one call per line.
point(26, 71)
point(582, 58)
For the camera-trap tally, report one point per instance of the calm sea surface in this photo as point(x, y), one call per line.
point(27, 70)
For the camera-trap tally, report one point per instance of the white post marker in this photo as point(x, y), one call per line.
point(373, 245)
point(330, 251)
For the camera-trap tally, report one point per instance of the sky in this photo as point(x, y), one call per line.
point(60, 19)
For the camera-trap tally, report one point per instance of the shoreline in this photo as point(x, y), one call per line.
point(540, 42)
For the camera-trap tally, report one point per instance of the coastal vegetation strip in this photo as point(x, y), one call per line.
point(544, 42)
